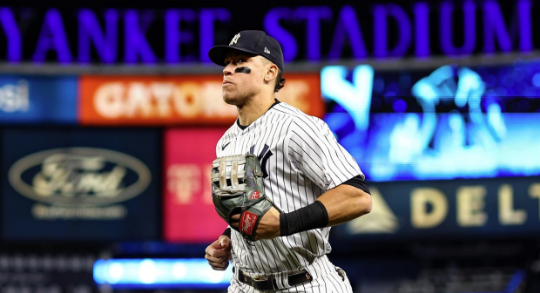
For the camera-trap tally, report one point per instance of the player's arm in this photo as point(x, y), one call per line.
point(345, 203)
point(336, 206)
point(317, 155)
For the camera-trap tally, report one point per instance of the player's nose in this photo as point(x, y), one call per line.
point(228, 70)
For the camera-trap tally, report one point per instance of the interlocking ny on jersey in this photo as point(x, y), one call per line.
point(301, 160)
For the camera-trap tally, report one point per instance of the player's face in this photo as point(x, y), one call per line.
point(243, 77)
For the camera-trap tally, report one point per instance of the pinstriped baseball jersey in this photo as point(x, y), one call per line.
point(300, 160)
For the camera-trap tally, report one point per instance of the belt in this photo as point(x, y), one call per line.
point(270, 282)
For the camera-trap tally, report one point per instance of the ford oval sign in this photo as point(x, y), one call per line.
point(79, 176)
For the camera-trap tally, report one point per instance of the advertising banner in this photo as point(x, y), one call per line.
point(38, 99)
point(189, 213)
point(174, 100)
point(80, 184)
point(452, 209)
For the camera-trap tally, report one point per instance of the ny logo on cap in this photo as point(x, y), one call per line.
point(234, 39)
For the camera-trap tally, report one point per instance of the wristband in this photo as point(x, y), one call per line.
point(227, 232)
point(309, 217)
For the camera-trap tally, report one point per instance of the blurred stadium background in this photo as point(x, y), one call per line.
point(110, 111)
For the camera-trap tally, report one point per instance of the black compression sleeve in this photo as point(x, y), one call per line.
point(359, 183)
point(227, 232)
point(309, 217)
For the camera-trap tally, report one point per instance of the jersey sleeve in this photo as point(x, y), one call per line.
point(315, 153)
point(217, 147)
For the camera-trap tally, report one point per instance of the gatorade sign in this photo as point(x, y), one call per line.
point(164, 100)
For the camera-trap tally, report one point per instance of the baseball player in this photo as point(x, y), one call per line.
point(310, 180)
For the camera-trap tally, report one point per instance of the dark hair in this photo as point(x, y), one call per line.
point(280, 82)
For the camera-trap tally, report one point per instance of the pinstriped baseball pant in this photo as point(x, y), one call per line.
point(325, 280)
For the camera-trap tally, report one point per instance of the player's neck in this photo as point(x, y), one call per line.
point(254, 109)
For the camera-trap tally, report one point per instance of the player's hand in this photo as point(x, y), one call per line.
point(268, 226)
point(218, 253)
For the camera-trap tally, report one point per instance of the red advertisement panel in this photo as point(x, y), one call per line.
point(189, 214)
point(178, 100)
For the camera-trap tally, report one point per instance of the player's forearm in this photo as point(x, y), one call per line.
point(334, 207)
point(345, 203)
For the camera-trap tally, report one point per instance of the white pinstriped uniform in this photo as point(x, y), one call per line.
point(301, 160)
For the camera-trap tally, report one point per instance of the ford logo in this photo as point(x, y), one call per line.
point(79, 176)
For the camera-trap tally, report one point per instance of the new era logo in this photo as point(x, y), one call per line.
point(266, 50)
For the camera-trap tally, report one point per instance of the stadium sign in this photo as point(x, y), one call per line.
point(314, 33)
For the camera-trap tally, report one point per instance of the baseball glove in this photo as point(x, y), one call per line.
point(238, 188)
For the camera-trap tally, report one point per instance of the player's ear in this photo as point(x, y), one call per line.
point(271, 72)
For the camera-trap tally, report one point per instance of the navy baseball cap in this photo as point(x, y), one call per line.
point(250, 41)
